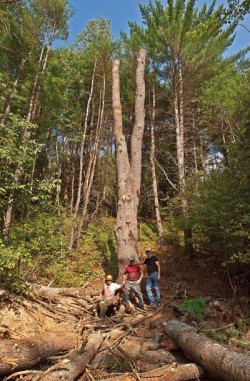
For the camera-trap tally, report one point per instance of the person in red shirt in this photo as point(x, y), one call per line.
point(132, 277)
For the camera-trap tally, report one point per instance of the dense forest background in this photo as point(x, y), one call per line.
point(57, 153)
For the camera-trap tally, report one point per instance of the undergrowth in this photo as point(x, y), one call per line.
point(38, 251)
point(195, 306)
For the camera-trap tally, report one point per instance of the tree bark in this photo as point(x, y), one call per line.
point(128, 171)
point(217, 359)
point(153, 169)
point(77, 362)
point(74, 234)
point(26, 353)
point(8, 214)
point(42, 63)
point(35, 83)
point(180, 146)
point(88, 182)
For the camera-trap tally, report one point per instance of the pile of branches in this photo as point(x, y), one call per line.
point(80, 346)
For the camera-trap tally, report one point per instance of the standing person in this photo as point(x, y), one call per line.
point(154, 275)
point(132, 277)
point(109, 291)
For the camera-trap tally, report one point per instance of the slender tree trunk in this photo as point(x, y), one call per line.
point(42, 63)
point(58, 176)
point(35, 83)
point(72, 187)
point(36, 108)
point(78, 199)
point(8, 215)
point(128, 172)
point(202, 155)
point(153, 169)
point(33, 172)
point(9, 211)
point(180, 145)
point(93, 158)
point(74, 233)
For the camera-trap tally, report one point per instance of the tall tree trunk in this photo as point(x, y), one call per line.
point(36, 109)
point(8, 214)
point(42, 63)
point(72, 187)
point(153, 169)
point(91, 170)
point(35, 83)
point(128, 171)
point(180, 145)
point(92, 160)
point(74, 233)
point(80, 184)
point(58, 177)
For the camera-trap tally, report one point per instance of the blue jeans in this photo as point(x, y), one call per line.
point(132, 286)
point(152, 282)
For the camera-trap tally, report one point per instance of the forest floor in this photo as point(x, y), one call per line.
point(192, 293)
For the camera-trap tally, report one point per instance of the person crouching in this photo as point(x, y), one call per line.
point(109, 292)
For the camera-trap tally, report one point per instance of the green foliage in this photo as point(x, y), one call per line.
point(147, 235)
point(99, 240)
point(11, 260)
point(220, 211)
point(148, 231)
point(33, 247)
point(195, 305)
point(236, 9)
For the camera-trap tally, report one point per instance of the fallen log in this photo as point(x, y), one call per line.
point(75, 364)
point(217, 359)
point(26, 353)
point(171, 372)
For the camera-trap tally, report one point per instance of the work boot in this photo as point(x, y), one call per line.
point(143, 308)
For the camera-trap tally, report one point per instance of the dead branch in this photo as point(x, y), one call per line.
point(75, 364)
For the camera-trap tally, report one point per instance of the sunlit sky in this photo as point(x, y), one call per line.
point(119, 12)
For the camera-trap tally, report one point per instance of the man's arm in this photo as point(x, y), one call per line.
point(102, 294)
point(141, 272)
point(158, 269)
point(124, 278)
point(141, 263)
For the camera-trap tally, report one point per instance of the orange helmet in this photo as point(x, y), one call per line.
point(109, 277)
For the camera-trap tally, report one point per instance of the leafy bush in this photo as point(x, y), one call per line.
point(195, 305)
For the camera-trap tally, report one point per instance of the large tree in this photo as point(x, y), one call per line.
point(128, 169)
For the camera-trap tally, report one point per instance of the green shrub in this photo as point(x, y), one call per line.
point(195, 305)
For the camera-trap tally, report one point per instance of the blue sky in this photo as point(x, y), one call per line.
point(122, 11)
